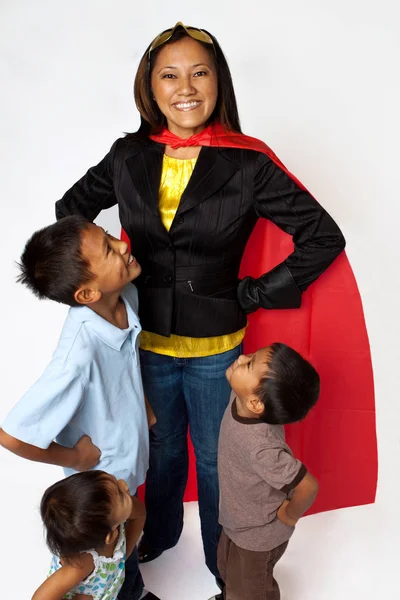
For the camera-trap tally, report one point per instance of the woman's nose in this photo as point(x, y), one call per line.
point(186, 86)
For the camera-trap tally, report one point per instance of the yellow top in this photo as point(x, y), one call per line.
point(174, 179)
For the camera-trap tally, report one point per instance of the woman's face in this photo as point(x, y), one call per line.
point(184, 84)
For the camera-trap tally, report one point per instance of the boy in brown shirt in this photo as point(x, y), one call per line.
point(264, 489)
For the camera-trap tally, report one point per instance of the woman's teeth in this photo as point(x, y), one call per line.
point(130, 260)
point(186, 105)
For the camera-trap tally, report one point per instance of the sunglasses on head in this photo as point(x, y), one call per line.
point(193, 32)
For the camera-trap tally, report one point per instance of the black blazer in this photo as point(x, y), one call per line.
point(189, 283)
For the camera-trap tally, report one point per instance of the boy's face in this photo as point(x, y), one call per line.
point(245, 373)
point(109, 260)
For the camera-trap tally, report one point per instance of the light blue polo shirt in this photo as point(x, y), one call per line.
point(92, 386)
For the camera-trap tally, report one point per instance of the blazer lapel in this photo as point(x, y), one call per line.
point(211, 172)
point(145, 171)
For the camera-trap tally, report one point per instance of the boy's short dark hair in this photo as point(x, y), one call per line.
point(289, 389)
point(52, 265)
point(75, 512)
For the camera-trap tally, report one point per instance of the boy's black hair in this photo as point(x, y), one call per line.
point(76, 512)
point(52, 265)
point(289, 389)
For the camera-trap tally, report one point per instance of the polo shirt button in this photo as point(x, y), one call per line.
point(168, 279)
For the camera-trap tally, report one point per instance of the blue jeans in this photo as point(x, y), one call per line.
point(182, 392)
point(132, 587)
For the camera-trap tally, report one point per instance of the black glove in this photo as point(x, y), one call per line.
point(275, 289)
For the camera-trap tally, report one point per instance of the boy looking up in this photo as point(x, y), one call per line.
point(264, 490)
point(87, 409)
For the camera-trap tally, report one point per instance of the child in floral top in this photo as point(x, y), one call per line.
point(92, 525)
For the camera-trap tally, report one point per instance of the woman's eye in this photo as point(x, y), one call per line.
point(199, 73)
point(168, 76)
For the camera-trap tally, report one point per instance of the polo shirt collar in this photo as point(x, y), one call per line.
point(108, 333)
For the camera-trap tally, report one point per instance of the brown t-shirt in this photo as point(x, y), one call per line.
point(257, 472)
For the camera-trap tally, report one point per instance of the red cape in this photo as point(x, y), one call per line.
point(337, 440)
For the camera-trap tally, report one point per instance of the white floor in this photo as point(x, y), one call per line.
point(348, 554)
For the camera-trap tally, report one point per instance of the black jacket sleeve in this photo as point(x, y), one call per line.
point(316, 237)
point(93, 193)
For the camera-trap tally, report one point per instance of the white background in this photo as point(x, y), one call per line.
point(318, 82)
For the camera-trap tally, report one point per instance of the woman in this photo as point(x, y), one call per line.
point(190, 189)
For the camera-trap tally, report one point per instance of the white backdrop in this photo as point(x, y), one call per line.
point(316, 80)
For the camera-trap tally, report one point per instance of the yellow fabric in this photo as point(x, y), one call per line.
point(175, 176)
point(174, 179)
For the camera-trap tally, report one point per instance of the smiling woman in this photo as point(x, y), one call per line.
point(184, 55)
point(185, 87)
point(191, 189)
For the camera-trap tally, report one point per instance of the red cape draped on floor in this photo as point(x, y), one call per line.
point(337, 440)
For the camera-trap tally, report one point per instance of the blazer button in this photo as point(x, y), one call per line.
point(180, 220)
point(169, 247)
point(168, 279)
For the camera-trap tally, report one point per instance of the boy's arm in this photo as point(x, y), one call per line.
point(151, 417)
point(134, 525)
point(304, 495)
point(82, 457)
point(63, 580)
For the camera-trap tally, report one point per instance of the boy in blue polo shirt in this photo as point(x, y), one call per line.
point(90, 397)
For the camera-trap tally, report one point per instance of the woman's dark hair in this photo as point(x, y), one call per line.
point(52, 265)
point(76, 512)
point(152, 119)
point(289, 389)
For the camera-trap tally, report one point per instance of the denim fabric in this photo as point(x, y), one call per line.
point(133, 585)
point(182, 392)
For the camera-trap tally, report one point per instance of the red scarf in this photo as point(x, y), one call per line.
point(337, 441)
point(216, 136)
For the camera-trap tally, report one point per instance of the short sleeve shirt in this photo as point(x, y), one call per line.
point(257, 472)
point(92, 386)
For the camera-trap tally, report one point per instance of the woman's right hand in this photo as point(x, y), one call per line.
point(87, 455)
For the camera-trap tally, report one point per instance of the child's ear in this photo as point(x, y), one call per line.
point(87, 295)
point(111, 536)
point(255, 405)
